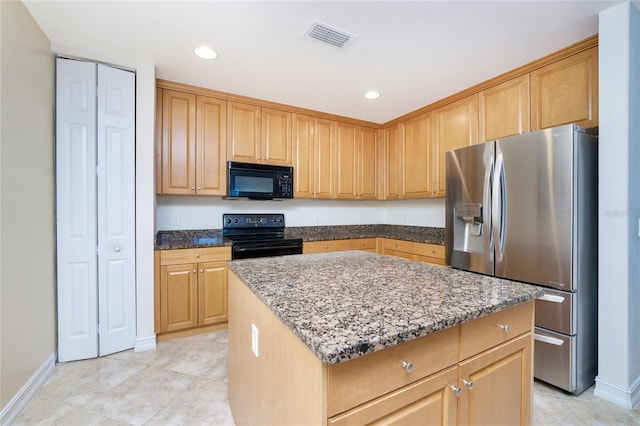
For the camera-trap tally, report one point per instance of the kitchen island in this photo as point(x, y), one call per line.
point(353, 337)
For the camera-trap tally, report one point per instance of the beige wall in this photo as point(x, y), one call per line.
point(27, 301)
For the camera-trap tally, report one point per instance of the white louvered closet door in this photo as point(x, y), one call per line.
point(95, 198)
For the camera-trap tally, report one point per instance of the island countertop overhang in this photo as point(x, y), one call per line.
point(346, 304)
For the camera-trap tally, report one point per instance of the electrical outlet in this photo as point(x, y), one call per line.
point(254, 339)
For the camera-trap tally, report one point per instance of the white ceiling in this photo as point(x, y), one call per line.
point(414, 53)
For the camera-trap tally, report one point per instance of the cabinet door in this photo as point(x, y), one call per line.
point(276, 137)
point(429, 401)
point(243, 132)
point(178, 297)
point(415, 157)
point(392, 163)
point(212, 293)
point(303, 156)
point(456, 126)
point(502, 385)
point(178, 142)
point(324, 161)
point(347, 139)
point(367, 160)
point(566, 92)
point(211, 146)
point(504, 109)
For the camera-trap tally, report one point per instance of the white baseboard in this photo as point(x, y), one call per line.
point(627, 398)
point(19, 402)
point(145, 343)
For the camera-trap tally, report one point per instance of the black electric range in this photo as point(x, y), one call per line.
point(258, 235)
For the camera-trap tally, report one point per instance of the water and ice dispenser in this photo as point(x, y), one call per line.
point(467, 230)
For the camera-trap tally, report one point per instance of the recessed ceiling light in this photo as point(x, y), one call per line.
point(372, 94)
point(205, 52)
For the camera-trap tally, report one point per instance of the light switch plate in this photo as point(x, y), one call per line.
point(254, 340)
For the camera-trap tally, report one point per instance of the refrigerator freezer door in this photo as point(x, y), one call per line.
point(468, 240)
point(537, 212)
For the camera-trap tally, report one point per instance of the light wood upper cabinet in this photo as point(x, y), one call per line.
point(416, 163)
point(504, 109)
point(566, 91)
point(455, 126)
point(346, 152)
point(211, 147)
point(192, 150)
point(258, 135)
point(178, 143)
point(276, 137)
point(367, 171)
point(244, 132)
point(313, 149)
point(392, 161)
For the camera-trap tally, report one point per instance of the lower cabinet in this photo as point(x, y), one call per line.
point(366, 244)
point(422, 252)
point(191, 288)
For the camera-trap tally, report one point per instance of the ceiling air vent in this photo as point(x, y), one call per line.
point(328, 34)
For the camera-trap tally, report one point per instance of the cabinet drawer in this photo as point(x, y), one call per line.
point(484, 333)
point(325, 246)
point(398, 245)
point(351, 383)
point(428, 398)
point(196, 255)
point(429, 250)
point(362, 244)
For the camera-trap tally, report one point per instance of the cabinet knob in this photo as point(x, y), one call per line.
point(407, 366)
point(194, 271)
point(468, 383)
point(202, 270)
point(504, 327)
point(198, 188)
point(197, 255)
point(456, 390)
point(433, 252)
point(326, 247)
point(193, 188)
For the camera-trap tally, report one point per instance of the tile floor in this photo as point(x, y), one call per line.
point(184, 382)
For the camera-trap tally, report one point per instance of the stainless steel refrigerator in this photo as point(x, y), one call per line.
point(524, 208)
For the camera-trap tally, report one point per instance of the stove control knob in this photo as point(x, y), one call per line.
point(227, 221)
point(235, 220)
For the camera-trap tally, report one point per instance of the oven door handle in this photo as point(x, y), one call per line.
point(277, 247)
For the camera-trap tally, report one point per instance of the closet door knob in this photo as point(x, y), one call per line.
point(116, 249)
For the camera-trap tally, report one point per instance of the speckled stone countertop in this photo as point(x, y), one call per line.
point(166, 240)
point(346, 304)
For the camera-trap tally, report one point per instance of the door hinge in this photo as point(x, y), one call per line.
point(99, 329)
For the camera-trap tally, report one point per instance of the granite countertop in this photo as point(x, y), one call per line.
point(167, 240)
point(346, 304)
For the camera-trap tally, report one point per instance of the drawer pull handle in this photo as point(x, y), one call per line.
point(468, 383)
point(548, 339)
point(456, 390)
point(551, 298)
point(407, 366)
point(506, 327)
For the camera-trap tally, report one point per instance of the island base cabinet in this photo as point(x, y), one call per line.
point(429, 401)
point(275, 379)
point(497, 385)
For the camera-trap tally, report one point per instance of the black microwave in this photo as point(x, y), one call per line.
point(259, 181)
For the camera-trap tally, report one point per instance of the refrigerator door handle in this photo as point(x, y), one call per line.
point(547, 339)
point(487, 210)
point(498, 206)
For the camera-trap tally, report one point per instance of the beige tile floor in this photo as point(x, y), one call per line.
point(184, 382)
